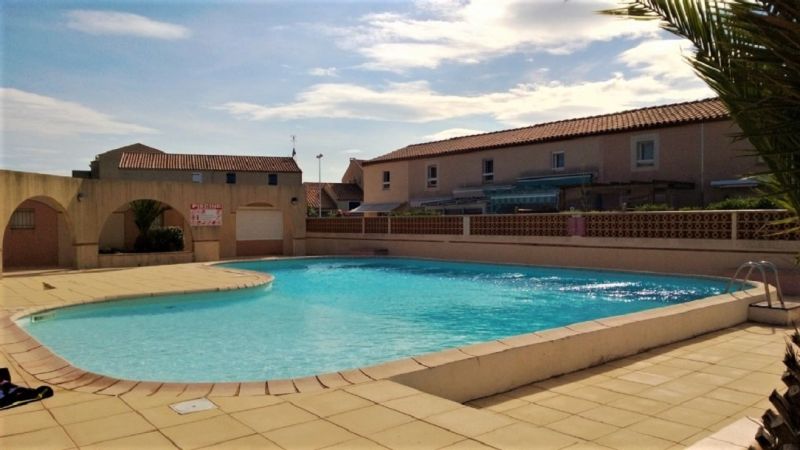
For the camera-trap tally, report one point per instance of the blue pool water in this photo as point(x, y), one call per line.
point(328, 314)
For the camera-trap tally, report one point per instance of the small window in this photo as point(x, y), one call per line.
point(197, 177)
point(488, 170)
point(645, 153)
point(23, 219)
point(387, 179)
point(272, 179)
point(433, 176)
point(230, 178)
point(557, 161)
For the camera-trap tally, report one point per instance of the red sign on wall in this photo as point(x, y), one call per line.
point(205, 215)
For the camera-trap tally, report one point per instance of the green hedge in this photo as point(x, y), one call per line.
point(166, 239)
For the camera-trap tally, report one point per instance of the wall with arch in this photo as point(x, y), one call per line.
point(86, 204)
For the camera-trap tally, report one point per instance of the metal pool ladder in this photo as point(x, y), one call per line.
point(760, 265)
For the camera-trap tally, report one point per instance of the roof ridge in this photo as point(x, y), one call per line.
point(552, 122)
point(204, 155)
point(672, 114)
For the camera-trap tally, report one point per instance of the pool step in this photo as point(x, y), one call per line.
point(785, 315)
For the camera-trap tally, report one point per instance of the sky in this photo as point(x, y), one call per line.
point(349, 79)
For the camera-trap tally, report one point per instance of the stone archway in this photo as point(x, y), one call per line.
point(118, 236)
point(38, 235)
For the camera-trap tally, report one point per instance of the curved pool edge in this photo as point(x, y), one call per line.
point(459, 374)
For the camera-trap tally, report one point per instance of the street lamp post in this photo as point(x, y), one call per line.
point(319, 180)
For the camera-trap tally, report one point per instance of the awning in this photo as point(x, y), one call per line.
point(376, 207)
point(417, 202)
point(573, 179)
point(526, 198)
point(736, 183)
point(471, 192)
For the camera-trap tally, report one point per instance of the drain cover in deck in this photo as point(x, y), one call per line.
point(192, 406)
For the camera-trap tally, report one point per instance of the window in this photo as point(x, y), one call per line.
point(197, 177)
point(557, 161)
point(433, 176)
point(488, 170)
point(387, 179)
point(23, 219)
point(353, 205)
point(645, 153)
point(272, 179)
point(230, 178)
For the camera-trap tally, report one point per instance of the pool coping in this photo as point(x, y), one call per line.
point(459, 374)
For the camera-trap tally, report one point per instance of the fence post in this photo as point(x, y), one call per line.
point(388, 224)
point(466, 225)
point(363, 224)
point(734, 225)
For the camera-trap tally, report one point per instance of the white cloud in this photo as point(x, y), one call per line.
point(324, 72)
point(520, 105)
point(665, 58)
point(28, 112)
point(450, 133)
point(119, 23)
point(473, 31)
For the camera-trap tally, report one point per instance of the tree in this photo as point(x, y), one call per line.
point(748, 51)
point(145, 212)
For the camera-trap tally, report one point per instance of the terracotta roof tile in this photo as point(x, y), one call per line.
point(312, 197)
point(644, 118)
point(175, 161)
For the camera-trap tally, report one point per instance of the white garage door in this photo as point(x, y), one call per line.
point(253, 224)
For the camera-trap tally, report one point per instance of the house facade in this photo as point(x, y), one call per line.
point(86, 221)
point(681, 154)
point(335, 198)
point(258, 227)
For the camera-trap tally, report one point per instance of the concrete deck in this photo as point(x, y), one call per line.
point(669, 397)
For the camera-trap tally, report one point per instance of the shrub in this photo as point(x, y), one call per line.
point(744, 203)
point(420, 211)
point(652, 207)
point(167, 239)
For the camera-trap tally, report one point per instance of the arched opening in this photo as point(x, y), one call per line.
point(38, 236)
point(120, 231)
point(259, 230)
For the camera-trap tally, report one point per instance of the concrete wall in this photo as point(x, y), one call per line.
point(680, 256)
point(100, 198)
point(696, 153)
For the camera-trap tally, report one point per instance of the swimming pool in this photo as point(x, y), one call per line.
point(328, 314)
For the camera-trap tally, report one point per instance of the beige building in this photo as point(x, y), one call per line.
point(226, 206)
point(680, 154)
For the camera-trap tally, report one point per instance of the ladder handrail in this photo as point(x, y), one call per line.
point(760, 265)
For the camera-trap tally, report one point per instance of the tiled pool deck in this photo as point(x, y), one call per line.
point(669, 397)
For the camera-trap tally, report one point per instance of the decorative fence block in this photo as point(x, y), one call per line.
point(761, 225)
point(428, 225)
point(746, 225)
point(519, 225)
point(677, 225)
point(376, 225)
point(334, 225)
